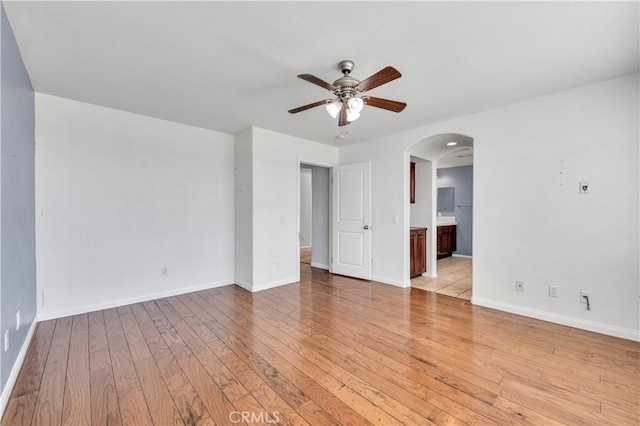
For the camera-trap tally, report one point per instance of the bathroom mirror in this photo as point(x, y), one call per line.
point(445, 200)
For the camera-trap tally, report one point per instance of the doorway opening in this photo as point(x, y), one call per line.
point(442, 181)
point(314, 216)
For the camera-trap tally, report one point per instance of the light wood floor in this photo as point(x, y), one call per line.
point(305, 255)
point(454, 278)
point(330, 350)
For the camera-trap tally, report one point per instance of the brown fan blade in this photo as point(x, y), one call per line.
point(318, 82)
point(342, 120)
point(394, 106)
point(383, 76)
point(306, 107)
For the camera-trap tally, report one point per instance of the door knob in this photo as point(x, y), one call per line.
point(366, 227)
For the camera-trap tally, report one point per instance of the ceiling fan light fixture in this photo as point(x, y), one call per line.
point(349, 93)
point(355, 104)
point(334, 108)
point(352, 115)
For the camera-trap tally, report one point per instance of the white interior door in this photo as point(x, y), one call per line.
point(351, 253)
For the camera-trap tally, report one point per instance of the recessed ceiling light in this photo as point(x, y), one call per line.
point(452, 143)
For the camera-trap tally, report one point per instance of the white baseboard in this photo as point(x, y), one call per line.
point(243, 284)
point(43, 316)
point(305, 247)
point(597, 327)
point(319, 265)
point(389, 281)
point(15, 370)
point(462, 255)
point(272, 284)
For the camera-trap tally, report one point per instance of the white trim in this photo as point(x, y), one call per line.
point(243, 284)
point(462, 255)
point(266, 286)
point(597, 327)
point(15, 370)
point(319, 265)
point(429, 274)
point(305, 247)
point(42, 316)
point(390, 281)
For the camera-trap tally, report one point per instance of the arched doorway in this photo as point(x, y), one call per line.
point(450, 156)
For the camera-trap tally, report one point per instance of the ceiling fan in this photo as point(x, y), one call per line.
point(348, 102)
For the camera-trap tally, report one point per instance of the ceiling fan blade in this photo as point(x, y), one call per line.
point(306, 107)
point(318, 82)
point(387, 104)
point(383, 76)
point(342, 120)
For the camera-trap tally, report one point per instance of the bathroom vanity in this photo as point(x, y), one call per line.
point(446, 240)
point(418, 249)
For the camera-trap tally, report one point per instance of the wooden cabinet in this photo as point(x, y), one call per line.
point(447, 240)
point(418, 245)
point(412, 183)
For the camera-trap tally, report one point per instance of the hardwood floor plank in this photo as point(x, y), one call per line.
point(215, 401)
point(327, 350)
point(131, 400)
point(77, 396)
point(35, 360)
point(48, 409)
point(186, 399)
point(386, 383)
point(257, 380)
point(19, 409)
point(159, 401)
point(331, 405)
point(104, 399)
point(21, 405)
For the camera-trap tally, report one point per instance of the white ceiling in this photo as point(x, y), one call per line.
point(228, 65)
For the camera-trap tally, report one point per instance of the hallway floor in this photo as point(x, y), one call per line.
point(454, 278)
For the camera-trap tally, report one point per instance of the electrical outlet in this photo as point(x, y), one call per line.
point(17, 320)
point(6, 340)
point(583, 299)
point(553, 291)
point(163, 272)
point(519, 285)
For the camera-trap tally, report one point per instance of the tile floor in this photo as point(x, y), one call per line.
point(454, 278)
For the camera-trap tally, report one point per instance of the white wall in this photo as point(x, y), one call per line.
point(120, 196)
point(276, 159)
point(244, 207)
point(320, 217)
point(305, 208)
point(530, 223)
point(422, 212)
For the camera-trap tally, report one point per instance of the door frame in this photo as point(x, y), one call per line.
point(329, 167)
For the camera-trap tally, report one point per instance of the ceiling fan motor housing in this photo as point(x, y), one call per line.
point(345, 86)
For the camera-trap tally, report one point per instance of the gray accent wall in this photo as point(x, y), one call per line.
point(17, 199)
point(320, 217)
point(461, 179)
